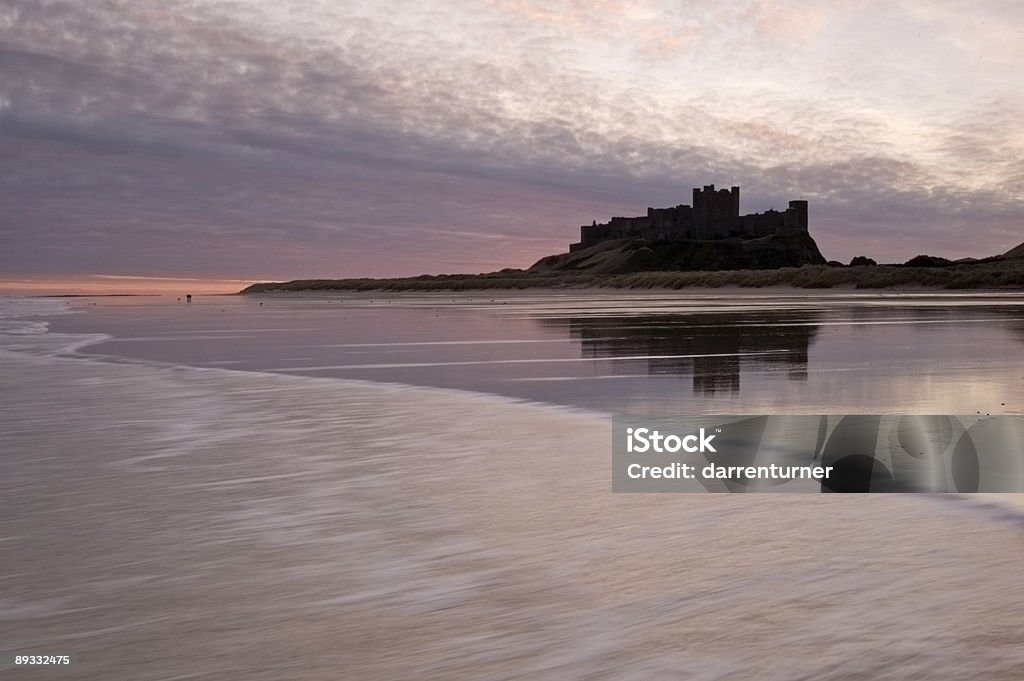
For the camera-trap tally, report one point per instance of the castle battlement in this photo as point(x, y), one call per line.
point(715, 214)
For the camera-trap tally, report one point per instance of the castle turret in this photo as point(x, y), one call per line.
point(795, 219)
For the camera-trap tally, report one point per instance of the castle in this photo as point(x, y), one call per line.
point(714, 215)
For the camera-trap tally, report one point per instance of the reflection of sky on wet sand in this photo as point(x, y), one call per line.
point(243, 517)
point(658, 353)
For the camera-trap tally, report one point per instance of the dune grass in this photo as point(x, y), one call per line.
point(996, 274)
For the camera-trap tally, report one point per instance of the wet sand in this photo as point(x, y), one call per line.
point(184, 523)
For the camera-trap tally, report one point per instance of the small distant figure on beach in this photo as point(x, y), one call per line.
point(188, 297)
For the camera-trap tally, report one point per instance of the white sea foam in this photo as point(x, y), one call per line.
point(24, 326)
point(20, 306)
point(172, 522)
point(17, 314)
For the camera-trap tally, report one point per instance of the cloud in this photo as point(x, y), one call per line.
point(251, 139)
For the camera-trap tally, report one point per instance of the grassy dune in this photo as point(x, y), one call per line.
point(992, 274)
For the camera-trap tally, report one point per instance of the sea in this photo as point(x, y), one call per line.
point(406, 486)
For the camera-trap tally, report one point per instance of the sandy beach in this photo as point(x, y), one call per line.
point(181, 523)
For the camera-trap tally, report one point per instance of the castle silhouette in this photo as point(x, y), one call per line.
point(714, 215)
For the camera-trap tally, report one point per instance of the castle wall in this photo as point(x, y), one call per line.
point(667, 224)
point(755, 225)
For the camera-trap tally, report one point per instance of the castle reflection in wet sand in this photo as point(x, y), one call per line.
point(713, 348)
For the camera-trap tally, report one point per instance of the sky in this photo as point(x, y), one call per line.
point(247, 140)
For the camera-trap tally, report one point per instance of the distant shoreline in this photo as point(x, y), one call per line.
point(1000, 275)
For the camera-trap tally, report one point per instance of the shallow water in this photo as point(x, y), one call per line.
point(622, 352)
point(161, 521)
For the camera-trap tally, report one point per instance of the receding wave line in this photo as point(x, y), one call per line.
point(545, 360)
point(446, 342)
point(164, 339)
point(191, 331)
point(557, 379)
point(878, 322)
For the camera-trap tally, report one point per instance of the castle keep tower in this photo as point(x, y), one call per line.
point(715, 213)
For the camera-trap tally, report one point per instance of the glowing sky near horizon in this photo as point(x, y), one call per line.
point(244, 139)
